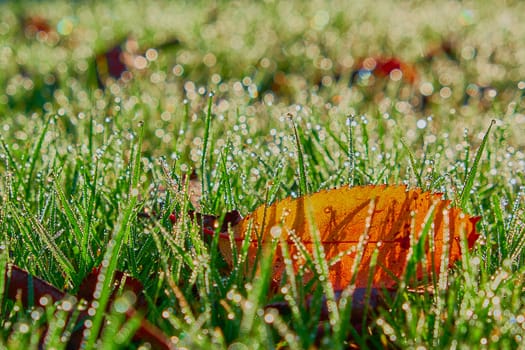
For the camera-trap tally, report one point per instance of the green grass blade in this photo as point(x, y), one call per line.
point(35, 156)
point(27, 218)
point(303, 184)
point(230, 200)
point(75, 223)
point(103, 289)
point(413, 165)
point(204, 170)
point(259, 292)
point(469, 182)
point(350, 151)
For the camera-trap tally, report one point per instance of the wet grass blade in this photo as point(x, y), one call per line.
point(204, 170)
point(35, 157)
point(469, 182)
point(413, 165)
point(303, 185)
point(112, 254)
point(25, 218)
point(75, 223)
point(350, 151)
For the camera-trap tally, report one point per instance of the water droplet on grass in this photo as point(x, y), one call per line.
point(421, 124)
point(269, 317)
point(276, 231)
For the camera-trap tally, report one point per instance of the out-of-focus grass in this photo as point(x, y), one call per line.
point(75, 172)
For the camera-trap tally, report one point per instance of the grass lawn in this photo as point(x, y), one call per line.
point(106, 108)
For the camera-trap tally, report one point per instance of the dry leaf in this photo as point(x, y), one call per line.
point(341, 216)
point(119, 60)
point(192, 184)
point(21, 285)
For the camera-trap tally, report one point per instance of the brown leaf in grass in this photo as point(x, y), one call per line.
point(194, 187)
point(19, 282)
point(21, 286)
point(123, 282)
point(119, 60)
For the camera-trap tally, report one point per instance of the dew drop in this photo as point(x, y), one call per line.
point(269, 318)
point(276, 231)
point(421, 124)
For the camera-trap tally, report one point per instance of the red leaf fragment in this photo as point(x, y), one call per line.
point(19, 282)
point(110, 64)
point(36, 24)
point(123, 282)
point(383, 67)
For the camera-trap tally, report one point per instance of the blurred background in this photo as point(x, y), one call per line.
point(458, 62)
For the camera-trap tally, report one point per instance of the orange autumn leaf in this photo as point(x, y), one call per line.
point(340, 216)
